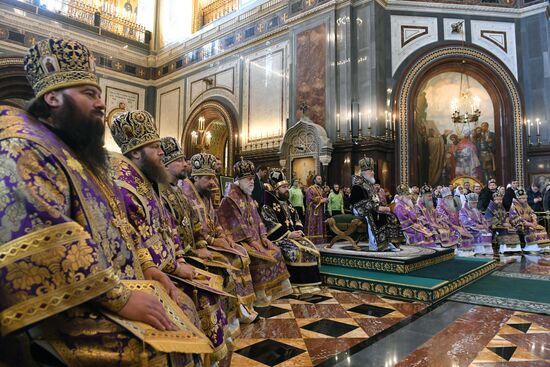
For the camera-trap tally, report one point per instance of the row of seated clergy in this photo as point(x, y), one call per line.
point(253, 272)
point(468, 229)
point(72, 283)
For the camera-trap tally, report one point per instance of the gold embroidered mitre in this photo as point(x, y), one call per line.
point(172, 150)
point(134, 129)
point(402, 189)
point(243, 168)
point(366, 163)
point(203, 164)
point(56, 63)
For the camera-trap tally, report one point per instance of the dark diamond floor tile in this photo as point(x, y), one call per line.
point(316, 298)
point(270, 352)
point(329, 327)
point(267, 312)
point(521, 327)
point(504, 352)
point(371, 310)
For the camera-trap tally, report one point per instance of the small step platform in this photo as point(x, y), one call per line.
point(413, 274)
point(409, 258)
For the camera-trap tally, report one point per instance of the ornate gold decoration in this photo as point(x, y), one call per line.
point(408, 292)
point(244, 168)
point(41, 240)
point(419, 67)
point(188, 339)
point(56, 63)
point(172, 150)
point(40, 307)
point(132, 130)
point(203, 164)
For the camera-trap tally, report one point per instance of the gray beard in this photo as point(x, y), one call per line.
point(408, 201)
point(370, 180)
point(450, 205)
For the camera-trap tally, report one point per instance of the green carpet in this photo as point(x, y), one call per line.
point(428, 284)
point(517, 291)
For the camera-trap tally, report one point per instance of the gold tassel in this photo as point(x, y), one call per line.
point(143, 357)
point(195, 296)
point(207, 362)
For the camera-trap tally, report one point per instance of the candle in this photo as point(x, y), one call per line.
point(338, 121)
point(368, 119)
point(386, 118)
point(538, 126)
point(360, 122)
point(349, 118)
point(529, 128)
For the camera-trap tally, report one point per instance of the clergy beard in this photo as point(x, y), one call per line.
point(429, 203)
point(283, 196)
point(449, 202)
point(370, 180)
point(154, 171)
point(407, 201)
point(205, 193)
point(84, 134)
point(245, 187)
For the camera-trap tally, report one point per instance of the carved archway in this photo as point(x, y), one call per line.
point(303, 140)
point(220, 122)
point(493, 75)
point(15, 90)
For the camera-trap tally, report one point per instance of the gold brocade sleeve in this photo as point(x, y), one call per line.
point(43, 260)
point(48, 260)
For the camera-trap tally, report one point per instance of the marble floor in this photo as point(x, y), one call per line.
point(339, 328)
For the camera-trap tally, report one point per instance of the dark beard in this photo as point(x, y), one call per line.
point(83, 134)
point(154, 171)
point(205, 193)
point(283, 197)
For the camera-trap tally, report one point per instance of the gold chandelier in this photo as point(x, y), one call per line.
point(466, 108)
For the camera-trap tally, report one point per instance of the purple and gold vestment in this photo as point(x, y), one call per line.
point(315, 209)
point(238, 215)
point(65, 246)
point(161, 246)
point(522, 213)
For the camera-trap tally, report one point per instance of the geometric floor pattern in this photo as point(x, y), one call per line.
point(523, 341)
point(294, 332)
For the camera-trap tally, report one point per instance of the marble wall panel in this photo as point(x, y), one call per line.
point(450, 34)
point(409, 34)
point(499, 38)
point(170, 113)
point(224, 84)
point(265, 93)
point(311, 53)
point(119, 97)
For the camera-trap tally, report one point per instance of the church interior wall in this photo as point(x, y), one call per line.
point(340, 60)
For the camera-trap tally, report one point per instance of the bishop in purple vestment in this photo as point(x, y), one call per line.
point(315, 209)
point(138, 173)
point(238, 215)
point(524, 220)
point(427, 215)
point(449, 215)
point(472, 219)
point(415, 232)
